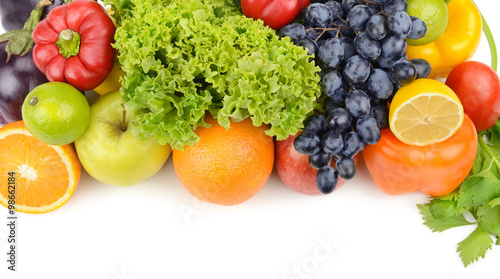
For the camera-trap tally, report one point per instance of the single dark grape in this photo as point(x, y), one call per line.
point(393, 47)
point(316, 124)
point(368, 129)
point(399, 23)
point(317, 15)
point(331, 53)
point(367, 47)
point(326, 179)
point(346, 168)
point(352, 144)
point(336, 8)
point(376, 27)
point(332, 143)
point(295, 31)
point(357, 17)
point(319, 160)
point(423, 67)
point(307, 143)
point(381, 115)
point(339, 120)
point(331, 82)
point(357, 103)
point(418, 30)
point(357, 70)
point(310, 45)
point(380, 84)
point(403, 72)
point(395, 6)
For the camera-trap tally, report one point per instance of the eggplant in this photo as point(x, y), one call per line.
point(17, 78)
point(14, 13)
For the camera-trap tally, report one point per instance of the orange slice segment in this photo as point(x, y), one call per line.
point(45, 176)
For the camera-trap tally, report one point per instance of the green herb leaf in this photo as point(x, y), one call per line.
point(474, 246)
point(489, 218)
point(483, 183)
point(439, 224)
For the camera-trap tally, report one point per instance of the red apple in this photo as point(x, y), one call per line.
point(294, 169)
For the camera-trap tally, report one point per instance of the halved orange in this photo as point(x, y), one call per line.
point(45, 176)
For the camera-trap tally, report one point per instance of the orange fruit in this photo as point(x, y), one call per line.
point(226, 167)
point(45, 176)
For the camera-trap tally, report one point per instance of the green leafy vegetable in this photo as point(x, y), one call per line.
point(193, 56)
point(479, 195)
point(474, 246)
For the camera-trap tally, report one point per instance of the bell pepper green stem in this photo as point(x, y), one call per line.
point(68, 43)
point(491, 42)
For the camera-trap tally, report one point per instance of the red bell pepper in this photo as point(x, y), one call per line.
point(274, 13)
point(73, 44)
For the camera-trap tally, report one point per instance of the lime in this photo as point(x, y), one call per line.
point(435, 15)
point(56, 113)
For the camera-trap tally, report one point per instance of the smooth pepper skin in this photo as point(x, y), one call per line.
point(436, 169)
point(274, 13)
point(95, 58)
point(458, 43)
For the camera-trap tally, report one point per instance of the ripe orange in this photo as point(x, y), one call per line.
point(226, 167)
point(45, 177)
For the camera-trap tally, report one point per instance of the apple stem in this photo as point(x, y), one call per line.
point(123, 118)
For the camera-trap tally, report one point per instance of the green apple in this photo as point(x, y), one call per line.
point(109, 151)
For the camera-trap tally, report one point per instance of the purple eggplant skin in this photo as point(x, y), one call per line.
point(14, 13)
point(17, 78)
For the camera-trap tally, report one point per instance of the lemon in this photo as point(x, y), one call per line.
point(435, 15)
point(425, 111)
point(56, 113)
point(112, 81)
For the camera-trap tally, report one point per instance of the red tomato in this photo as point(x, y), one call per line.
point(274, 13)
point(478, 88)
point(436, 169)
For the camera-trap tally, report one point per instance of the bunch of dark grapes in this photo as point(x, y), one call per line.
point(360, 46)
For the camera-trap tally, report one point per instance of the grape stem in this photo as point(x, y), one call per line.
point(324, 29)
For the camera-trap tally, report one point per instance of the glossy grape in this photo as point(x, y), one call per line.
point(326, 179)
point(307, 143)
point(357, 70)
point(368, 129)
point(376, 27)
point(403, 72)
point(295, 31)
point(357, 103)
point(346, 168)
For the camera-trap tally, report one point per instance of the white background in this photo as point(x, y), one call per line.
point(145, 231)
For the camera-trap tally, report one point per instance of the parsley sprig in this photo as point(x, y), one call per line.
point(478, 195)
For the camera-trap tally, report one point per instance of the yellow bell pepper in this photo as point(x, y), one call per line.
point(458, 43)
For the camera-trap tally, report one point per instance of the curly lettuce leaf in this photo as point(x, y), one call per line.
point(193, 57)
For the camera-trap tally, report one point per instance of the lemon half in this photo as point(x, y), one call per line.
point(425, 111)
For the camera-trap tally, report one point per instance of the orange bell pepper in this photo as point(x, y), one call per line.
point(458, 43)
